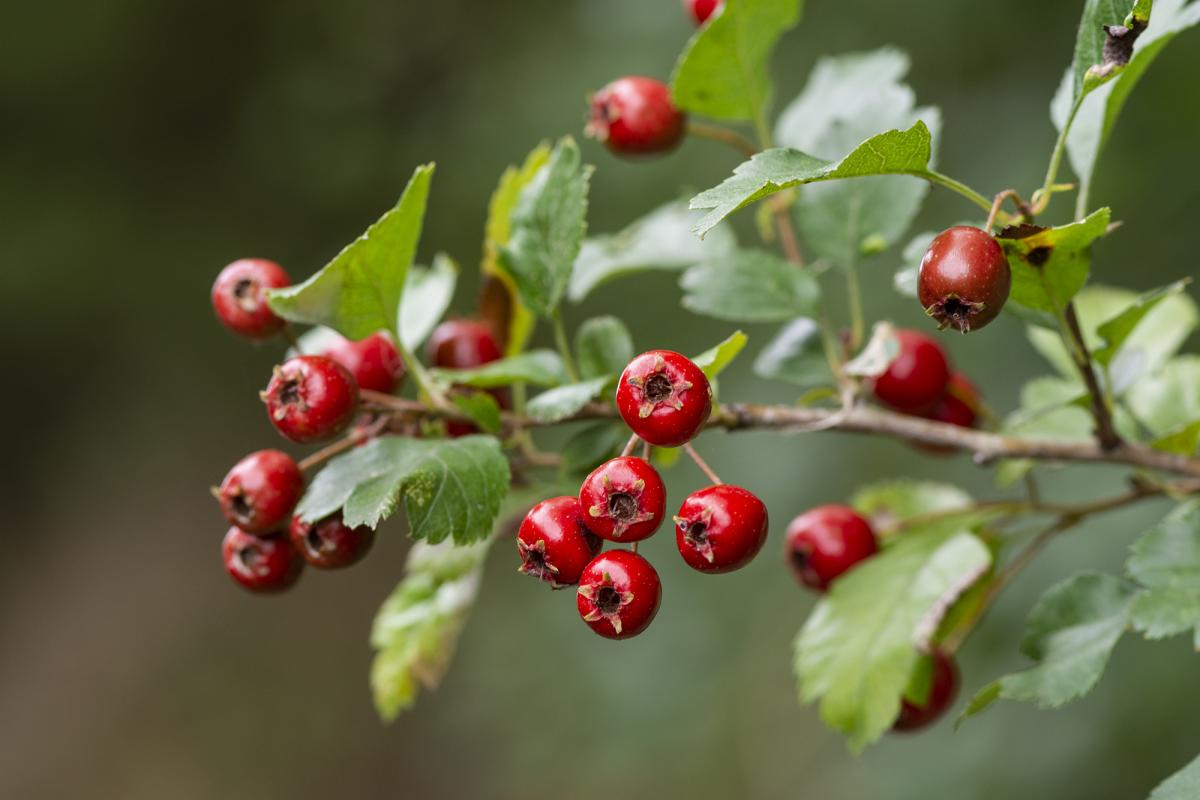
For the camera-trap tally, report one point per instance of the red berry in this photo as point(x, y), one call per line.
point(329, 543)
point(260, 564)
point(664, 398)
point(374, 361)
point(943, 687)
point(964, 278)
point(462, 344)
point(827, 541)
point(623, 500)
point(916, 379)
point(554, 544)
point(261, 490)
point(310, 398)
point(619, 593)
point(239, 297)
point(635, 115)
point(958, 406)
point(720, 528)
point(701, 10)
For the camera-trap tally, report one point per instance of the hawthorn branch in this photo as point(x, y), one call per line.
point(1106, 432)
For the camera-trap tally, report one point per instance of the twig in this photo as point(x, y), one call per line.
point(352, 439)
point(700, 462)
point(1105, 430)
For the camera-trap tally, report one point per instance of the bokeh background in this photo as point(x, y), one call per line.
point(145, 144)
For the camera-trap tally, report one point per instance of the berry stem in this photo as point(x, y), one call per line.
point(704, 467)
point(717, 133)
point(935, 177)
point(854, 294)
point(563, 345)
point(632, 443)
point(421, 376)
point(351, 440)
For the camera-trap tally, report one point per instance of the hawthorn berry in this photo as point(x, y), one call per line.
point(239, 297)
point(959, 406)
point(330, 543)
point(374, 361)
point(635, 115)
point(701, 10)
point(261, 490)
point(943, 687)
point(916, 379)
point(260, 563)
point(623, 500)
point(554, 544)
point(826, 542)
point(619, 594)
point(720, 528)
point(964, 278)
point(310, 398)
point(463, 344)
point(664, 398)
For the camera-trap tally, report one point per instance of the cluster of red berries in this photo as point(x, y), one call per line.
point(665, 399)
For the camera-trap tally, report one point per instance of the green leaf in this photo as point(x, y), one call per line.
point(1168, 401)
point(1050, 409)
point(1166, 560)
point(661, 240)
point(750, 286)
point(1070, 633)
point(592, 445)
point(1092, 65)
point(715, 359)
point(450, 487)
point(603, 346)
point(538, 367)
point(548, 224)
point(1183, 785)
point(427, 294)
point(481, 408)
point(859, 648)
point(1050, 266)
point(723, 71)
point(564, 401)
point(359, 292)
point(889, 503)
point(905, 279)
point(1117, 330)
point(796, 355)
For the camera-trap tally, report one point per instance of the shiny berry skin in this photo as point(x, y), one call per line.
point(635, 115)
point(619, 594)
point(701, 10)
point(826, 542)
point(462, 344)
point(664, 398)
point(310, 398)
point(239, 297)
point(374, 361)
point(261, 564)
point(261, 490)
point(959, 406)
point(943, 688)
point(720, 528)
point(554, 544)
point(623, 500)
point(916, 379)
point(964, 279)
point(329, 543)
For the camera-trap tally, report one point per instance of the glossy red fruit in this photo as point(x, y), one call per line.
point(701, 10)
point(239, 297)
point(720, 528)
point(943, 688)
point(664, 398)
point(462, 344)
point(260, 563)
point(964, 278)
point(374, 361)
point(261, 490)
point(916, 379)
point(619, 594)
point(623, 500)
point(958, 406)
point(329, 543)
point(635, 115)
point(310, 398)
point(826, 542)
point(554, 544)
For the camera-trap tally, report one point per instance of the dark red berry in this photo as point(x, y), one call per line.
point(701, 10)
point(239, 297)
point(943, 687)
point(916, 379)
point(720, 528)
point(260, 563)
point(635, 115)
point(619, 593)
point(462, 344)
point(623, 500)
point(964, 278)
point(554, 544)
point(664, 398)
point(959, 406)
point(261, 490)
point(329, 543)
point(310, 398)
point(374, 361)
point(824, 543)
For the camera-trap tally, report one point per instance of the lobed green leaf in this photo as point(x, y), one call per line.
point(1167, 402)
point(1051, 265)
point(537, 367)
point(796, 355)
point(1166, 560)
point(750, 286)
point(564, 401)
point(715, 359)
point(1183, 785)
point(427, 295)
point(603, 346)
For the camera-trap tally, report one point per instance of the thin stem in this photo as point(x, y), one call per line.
point(1041, 198)
point(632, 443)
point(787, 235)
point(946, 181)
point(1106, 432)
point(723, 135)
point(854, 290)
point(421, 376)
point(645, 451)
point(563, 345)
point(353, 439)
point(704, 467)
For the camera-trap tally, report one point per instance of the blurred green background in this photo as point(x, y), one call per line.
point(145, 144)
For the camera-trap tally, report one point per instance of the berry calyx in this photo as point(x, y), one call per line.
point(826, 542)
point(916, 379)
point(701, 10)
point(964, 278)
point(261, 490)
point(943, 687)
point(720, 528)
point(554, 544)
point(623, 500)
point(619, 594)
point(462, 344)
point(262, 564)
point(959, 406)
point(329, 543)
point(240, 300)
point(374, 361)
point(635, 115)
point(310, 398)
point(664, 398)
